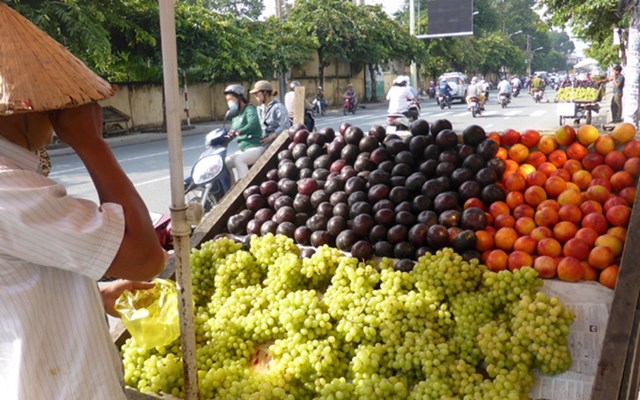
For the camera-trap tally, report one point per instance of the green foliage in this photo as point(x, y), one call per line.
point(251, 9)
point(591, 21)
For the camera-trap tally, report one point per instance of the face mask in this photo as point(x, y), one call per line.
point(233, 106)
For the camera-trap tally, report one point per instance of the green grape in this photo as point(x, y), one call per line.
point(272, 326)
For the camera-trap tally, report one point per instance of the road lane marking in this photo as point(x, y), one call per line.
point(511, 113)
point(538, 113)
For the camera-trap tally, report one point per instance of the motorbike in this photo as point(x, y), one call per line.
point(503, 99)
point(431, 92)
point(210, 179)
point(397, 122)
point(476, 107)
point(414, 110)
point(349, 106)
point(537, 95)
point(162, 227)
point(319, 106)
point(515, 91)
point(443, 101)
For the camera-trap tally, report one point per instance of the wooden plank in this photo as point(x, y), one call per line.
point(618, 342)
point(298, 105)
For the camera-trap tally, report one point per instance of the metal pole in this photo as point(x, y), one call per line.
point(180, 228)
point(529, 55)
point(282, 81)
point(412, 32)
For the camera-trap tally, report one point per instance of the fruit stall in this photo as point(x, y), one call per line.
point(436, 264)
point(578, 102)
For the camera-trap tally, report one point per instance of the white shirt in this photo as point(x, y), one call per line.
point(516, 82)
point(474, 90)
point(399, 97)
point(54, 339)
point(289, 102)
point(504, 87)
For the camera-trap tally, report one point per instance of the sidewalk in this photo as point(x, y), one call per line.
point(136, 137)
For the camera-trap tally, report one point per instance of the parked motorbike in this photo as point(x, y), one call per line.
point(349, 106)
point(210, 179)
point(443, 101)
point(503, 99)
point(476, 107)
point(319, 106)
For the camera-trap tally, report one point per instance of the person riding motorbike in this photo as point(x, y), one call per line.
point(445, 88)
point(431, 91)
point(289, 102)
point(274, 117)
point(245, 127)
point(400, 97)
point(350, 95)
point(537, 84)
point(475, 89)
point(321, 100)
point(504, 88)
point(516, 83)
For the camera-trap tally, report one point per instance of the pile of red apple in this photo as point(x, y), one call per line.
point(568, 204)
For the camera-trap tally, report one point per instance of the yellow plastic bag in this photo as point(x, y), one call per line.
point(151, 316)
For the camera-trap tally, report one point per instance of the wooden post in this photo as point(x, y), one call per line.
point(298, 105)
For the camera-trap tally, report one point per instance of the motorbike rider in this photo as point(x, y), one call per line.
point(399, 97)
point(431, 91)
point(537, 84)
point(475, 89)
point(321, 100)
point(504, 88)
point(245, 128)
point(289, 102)
point(350, 95)
point(273, 115)
point(445, 88)
point(485, 88)
point(516, 83)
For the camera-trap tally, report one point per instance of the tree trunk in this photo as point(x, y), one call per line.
point(631, 70)
point(372, 77)
point(321, 68)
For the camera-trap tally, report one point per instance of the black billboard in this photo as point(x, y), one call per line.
point(449, 18)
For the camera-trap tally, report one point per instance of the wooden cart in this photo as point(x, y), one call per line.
point(619, 366)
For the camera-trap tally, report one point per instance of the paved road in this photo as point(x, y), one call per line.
point(148, 167)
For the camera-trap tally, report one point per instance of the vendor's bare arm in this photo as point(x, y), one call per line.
point(140, 256)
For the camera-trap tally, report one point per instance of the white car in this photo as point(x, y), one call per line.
point(458, 82)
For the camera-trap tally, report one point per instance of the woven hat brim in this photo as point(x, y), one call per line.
point(38, 74)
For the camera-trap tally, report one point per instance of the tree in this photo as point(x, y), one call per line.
point(383, 40)
point(561, 42)
point(251, 9)
point(331, 25)
point(594, 22)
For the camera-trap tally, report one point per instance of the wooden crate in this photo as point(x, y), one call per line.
point(618, 374)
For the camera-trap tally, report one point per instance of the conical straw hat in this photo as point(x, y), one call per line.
point(37, 73)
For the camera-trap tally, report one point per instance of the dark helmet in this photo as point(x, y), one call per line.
point(238, 91)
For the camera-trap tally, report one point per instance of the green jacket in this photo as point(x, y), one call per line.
point(248, 124)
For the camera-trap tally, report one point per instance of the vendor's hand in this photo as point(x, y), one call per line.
point(79, 127)
point(111, 293)
point(269, 139)
point(233, 134)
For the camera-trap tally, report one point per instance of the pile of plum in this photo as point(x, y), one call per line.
point(376, 193)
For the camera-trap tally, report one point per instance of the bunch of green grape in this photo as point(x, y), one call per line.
point(270, 325)
point(577, 94)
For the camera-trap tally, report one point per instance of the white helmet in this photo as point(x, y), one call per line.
point(474, 80)
point(294, 84)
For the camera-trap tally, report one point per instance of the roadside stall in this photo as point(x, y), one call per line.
point(598, 373)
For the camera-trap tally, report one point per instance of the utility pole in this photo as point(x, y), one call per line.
point(412, 32)
point(282, 80)
point(529, 55)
